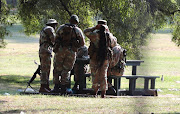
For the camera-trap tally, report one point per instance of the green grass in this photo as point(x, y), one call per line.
point(59, 104)
point(161, 57)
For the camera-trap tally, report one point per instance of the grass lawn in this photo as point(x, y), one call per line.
point(161, 57)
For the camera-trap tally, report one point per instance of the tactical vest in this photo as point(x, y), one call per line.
point(68, 38)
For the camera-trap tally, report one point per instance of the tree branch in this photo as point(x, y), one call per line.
point(0, 6)
point(175, 11)
point(65, 7)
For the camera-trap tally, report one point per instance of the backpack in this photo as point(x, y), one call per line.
point(67, 34)
point(118, 62)
point(68, 38)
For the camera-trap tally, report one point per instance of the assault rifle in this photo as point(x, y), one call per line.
point(38, 71)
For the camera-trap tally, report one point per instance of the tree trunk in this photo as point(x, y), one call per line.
point(62, 3)
point(0, 6)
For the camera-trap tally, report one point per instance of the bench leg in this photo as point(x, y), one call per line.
point(133, 70)
point(132, 85)
point(82, 78)
point(117, 85)
point(152, 83)
point(146, 83)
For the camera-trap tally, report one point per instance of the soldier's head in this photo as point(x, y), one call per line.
point(74, 19)
point(104, 22)
point(52, 22)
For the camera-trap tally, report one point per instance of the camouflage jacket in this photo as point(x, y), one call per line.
point(76, 33)
point(92, 34)
point(46, 41)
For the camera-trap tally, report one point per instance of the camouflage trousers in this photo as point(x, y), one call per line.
point(64, 60)
point(45, 62)
point(99, 75)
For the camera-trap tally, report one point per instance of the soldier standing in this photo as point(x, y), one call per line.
point(46, 41)
point(82, 53)
point(99, 57)
point(117, 62)
point(69, 38)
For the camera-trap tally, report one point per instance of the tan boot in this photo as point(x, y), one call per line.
point(43, 89)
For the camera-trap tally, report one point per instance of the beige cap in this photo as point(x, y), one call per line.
point(102, 22)
point(51, 21)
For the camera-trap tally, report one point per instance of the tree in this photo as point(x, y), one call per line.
point(3, 31)
point(5, 20)
point(129, 20)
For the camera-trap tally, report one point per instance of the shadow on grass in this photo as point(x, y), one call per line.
point(11, 83)
point(18, 111)
point(16, 79)
point(2, 101)
point(12, 111)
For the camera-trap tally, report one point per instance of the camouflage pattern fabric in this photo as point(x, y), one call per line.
point(64, 61)
point(64, 58)
point(99, 74)
point(117, 64)
point(113, 40)
point(45, 50)
point(45, 60)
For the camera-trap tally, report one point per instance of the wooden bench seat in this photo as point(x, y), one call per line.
point(132, 84)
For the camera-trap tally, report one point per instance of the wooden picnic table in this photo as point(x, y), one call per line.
point(134, 64)
point(132, 85)
point(82, 61)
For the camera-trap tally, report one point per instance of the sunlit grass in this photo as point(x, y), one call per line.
point(161, 57)
point(59, 104)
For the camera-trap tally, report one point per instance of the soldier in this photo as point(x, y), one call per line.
point(83, 54)
point(99, 57)
point(46, 41)
point(69, 38)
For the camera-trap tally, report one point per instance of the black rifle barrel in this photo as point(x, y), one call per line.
point(34, 76)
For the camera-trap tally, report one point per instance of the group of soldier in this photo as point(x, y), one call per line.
point(66, 43)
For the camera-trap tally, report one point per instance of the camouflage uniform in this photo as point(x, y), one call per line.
point(117, 63)
point(46, 41)
point(45, 51)
point(117, 59)
point(65, 56)
point(99, 74)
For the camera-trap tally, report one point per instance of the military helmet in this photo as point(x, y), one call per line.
point(51, 21)
point(102, 22)
point(75, 17)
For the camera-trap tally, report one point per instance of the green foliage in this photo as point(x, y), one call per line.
point(35, 13)
point(129, 20)
point(176, 33)
point(5, 20)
